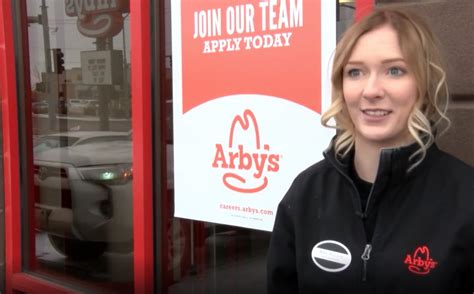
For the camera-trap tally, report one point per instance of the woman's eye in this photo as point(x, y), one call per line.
point(353, 73)
point(395, 71)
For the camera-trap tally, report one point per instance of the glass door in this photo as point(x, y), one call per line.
point(73, 201)
point(77, 142)
point(197, 256)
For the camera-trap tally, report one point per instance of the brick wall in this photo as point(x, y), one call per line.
point(453, 23)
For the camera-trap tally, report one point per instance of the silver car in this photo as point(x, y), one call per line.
point(73, 138)
point(84, 197)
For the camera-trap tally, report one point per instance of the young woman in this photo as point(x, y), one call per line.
point(386, 211)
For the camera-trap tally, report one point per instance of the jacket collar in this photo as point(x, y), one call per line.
point(394, 162)
point(393, 169)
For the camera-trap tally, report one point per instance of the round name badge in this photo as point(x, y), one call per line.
point(331, 256)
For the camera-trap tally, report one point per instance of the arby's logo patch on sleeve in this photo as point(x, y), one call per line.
point(259, 47)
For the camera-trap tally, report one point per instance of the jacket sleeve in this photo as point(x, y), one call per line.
point(467, 233)
point(281, 261)
point(470, 275)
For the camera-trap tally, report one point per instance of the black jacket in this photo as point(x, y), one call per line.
point(423, 241)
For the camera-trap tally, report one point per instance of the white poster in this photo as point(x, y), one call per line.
point(250, 81)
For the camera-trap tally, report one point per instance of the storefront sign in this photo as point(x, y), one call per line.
point(101, 67)
point(250, 81)
point(98, 18)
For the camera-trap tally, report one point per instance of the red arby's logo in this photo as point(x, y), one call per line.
point(100, 25)
point(98, 18)
point(420, 262)
point(246, 166)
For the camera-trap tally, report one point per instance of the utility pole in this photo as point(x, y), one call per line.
point(104, 90)
point(125, 103)
point(47, 45)
point(51, 83)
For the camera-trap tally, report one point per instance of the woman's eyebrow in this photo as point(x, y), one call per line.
point(354, 63)
point(388, 60)
point(393, 60)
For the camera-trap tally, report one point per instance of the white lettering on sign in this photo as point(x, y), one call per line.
point(248, 26)
point(239, 19)
point(287, 17)
point(207, 23)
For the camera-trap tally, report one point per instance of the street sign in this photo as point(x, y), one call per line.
point(102, 67)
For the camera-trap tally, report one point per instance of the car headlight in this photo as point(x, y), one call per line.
point(110, 174)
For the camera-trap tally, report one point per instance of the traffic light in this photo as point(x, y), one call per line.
point(58, 60)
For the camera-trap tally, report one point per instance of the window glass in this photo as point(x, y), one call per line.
point(202, 257)
point(345, 16)
point(77, 129)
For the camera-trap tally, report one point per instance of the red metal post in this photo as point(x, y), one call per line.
point(140, 33)
point(363, 7)
point(11, 158)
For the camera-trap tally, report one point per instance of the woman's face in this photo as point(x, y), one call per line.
point(379, 89)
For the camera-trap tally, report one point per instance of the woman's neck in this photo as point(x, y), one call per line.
point(366, 160)
point(367, 156)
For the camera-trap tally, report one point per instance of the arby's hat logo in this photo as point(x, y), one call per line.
point(98, 18)
point(100, 25)
point(420, 263)
point(245, 167)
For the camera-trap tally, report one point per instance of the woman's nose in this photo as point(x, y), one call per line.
point(373, 88)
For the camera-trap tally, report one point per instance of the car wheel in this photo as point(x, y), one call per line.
point(76, 249)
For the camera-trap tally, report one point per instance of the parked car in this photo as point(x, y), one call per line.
point(40, 107)
point(83, 183)
point(91, 107)
point(82, 106)
point(84, 197)
point(65, 139)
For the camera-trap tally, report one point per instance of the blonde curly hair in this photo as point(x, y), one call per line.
point(421, 52)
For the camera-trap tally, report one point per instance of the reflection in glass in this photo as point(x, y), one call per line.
point(81, 143)
point(221, 259)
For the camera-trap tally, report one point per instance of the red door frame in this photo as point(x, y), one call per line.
point(16, 280)
point(10, 145)
point(140, 22)
point(363, 7)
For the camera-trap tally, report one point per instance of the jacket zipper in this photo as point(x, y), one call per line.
point(365, 257)
point(368, 247)
point(364, 213)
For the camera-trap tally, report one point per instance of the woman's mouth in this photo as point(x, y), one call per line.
point(376, 112)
